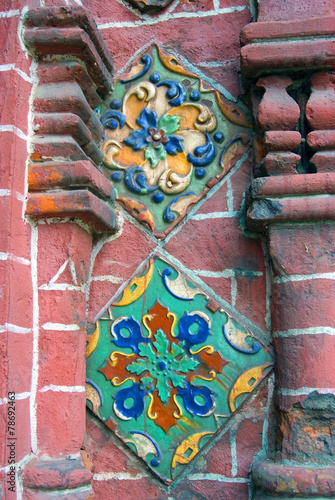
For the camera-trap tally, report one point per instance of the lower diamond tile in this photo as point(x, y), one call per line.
point(166, 368)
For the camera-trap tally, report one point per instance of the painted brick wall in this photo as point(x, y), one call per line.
point(46, 267)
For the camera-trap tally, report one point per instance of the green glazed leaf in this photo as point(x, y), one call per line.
point(177, 380)
point(155, 155)
point(176, 350)
point(137, 367)
point(162, 343)
point(169, 124)
point(187, 364)
point(164, 390)
point(147, 383)
point(146, 351)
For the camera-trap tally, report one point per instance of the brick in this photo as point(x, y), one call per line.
point(313, 243)
point(3, 365)
point(248, 444)
point(215, 245)
point(284, 55)
point(110, 12)
point(20, 361)
point(221, 286)
point(216, 203)
point(9, 41)
point(298, 305)
point(203, 38)
point(118, 258)
point(101, 447)
point(20, 298)
point(69, 175)
point(59, 353)
point(22, 430)
point(294, 10)
point(57, 474)
point(15, 232)
point(251, 298)
point(212, 490)
point(56, 244)
point(190, 6)
point(100, 294)
point(62, 306)
point(68, 71)
point(218, 458)
point(240, 180)
point(305, 361)
point(72, 41)
point(227, 75)
point(13, 152)
point(14, 90)
point(74, 494)
point(141, 489)
point(80, 204)
point(60, 422)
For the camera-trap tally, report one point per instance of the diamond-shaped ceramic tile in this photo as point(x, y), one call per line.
point(166, 367)
point(169, 138)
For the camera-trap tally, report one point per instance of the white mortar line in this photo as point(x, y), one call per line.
point(230, 196)
point(207, 197)
point(233, 290)
point(20, 260)
point(215, 64)
point(271, 388)
point(9, 13)
point(232, 441)
point(18, 397)
point(8, 192)
point(216, 5)
point(121, 476)
point(12, 67)
point(8, 327)
point(96, 249)
point(34, 376)
point(60, 327)
point(216, 215)
point(64, 286)
point(295, 332)
point(168, 17)
point(260, 334)
point(13, 128)
point(302, 391)
point(73, 272)
point(304, 277)
point(63, 388)
point(110, 278)
point(268, 277)
point(226, 273)
point(59, 272)
point(216, 477)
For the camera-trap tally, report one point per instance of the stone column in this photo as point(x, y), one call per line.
point(69, 202)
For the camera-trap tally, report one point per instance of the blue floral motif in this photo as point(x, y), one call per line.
point(192, 405)
point(135, 335)
point(185, 333)
point(136, 396)
point(140, 139)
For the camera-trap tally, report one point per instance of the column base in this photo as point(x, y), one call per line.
point(44, 479)
point(273, 480)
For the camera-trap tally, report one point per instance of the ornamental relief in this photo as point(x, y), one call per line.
point(167, 367)
point(168, 139)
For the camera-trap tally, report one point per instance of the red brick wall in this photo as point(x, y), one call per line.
point(54, 279)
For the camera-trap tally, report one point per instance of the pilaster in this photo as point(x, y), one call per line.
point(287, 66)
